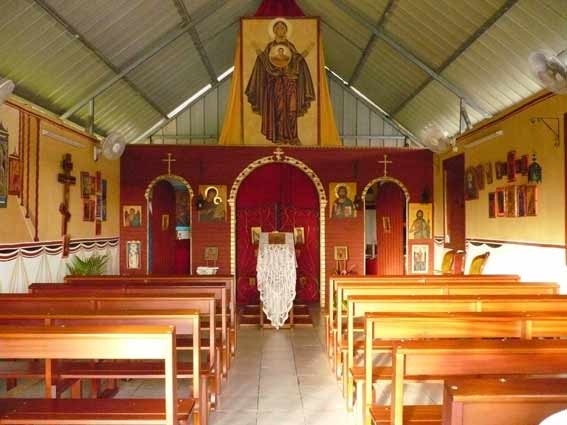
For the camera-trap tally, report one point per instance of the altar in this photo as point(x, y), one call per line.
point(276, 275)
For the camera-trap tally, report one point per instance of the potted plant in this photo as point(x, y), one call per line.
point(95, 265)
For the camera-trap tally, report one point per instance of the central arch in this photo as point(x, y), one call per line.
point(279, 157)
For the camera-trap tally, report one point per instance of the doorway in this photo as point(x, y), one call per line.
point(169, 224)
point(385, 206)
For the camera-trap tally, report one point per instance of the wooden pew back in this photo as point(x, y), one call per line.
point(115, 342)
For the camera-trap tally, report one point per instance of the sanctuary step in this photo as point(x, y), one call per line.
point(250, 316)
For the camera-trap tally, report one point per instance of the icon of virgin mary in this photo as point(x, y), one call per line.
point(280, 88)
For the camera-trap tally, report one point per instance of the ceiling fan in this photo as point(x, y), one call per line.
point(550, 70)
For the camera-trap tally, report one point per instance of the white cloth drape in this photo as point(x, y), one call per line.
point(276, 278)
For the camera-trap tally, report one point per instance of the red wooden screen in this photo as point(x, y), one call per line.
point(390, 222)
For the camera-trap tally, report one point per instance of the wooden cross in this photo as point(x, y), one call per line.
point(67, 180)
point(278, 153)
point(169, 160)
point(385, 162)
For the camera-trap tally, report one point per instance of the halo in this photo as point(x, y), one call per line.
point(337, 188)
point(273, 22)
point(217, 199)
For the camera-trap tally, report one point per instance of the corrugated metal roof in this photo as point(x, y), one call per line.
point(120, 29)
point(53, 68)
point(173, 75)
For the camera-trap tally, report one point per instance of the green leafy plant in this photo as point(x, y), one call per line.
point(95, 265)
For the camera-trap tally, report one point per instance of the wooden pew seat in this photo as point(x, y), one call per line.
point(87, 411)
point(413, 415)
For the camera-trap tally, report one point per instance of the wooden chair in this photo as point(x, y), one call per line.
point(448, 262)
point(478, 263)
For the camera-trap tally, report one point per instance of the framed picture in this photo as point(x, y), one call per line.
point(511, 206)
point(255, 234)
point(164, 221)
point(420, 216)
point(386, 224)
point(524, 165)
point(420, 258)
point(500, 169)
point(342, 197)
point(511, 166)
point(132, 215)
point(85, 185)
point(181, 208)
point(521, 201)
point(500, 202)
point(341, 253)
point(104, 188)
point(98, 182)
point(92, 185)
point(299, 235)
point(133, 254)
point(211, 253)
point(88, 211)
point(471, 184)
point(531, 200)
point(488, 172)
point(15, 177)
point(213, 206)
point(491, 204)
point(480, 176)
point(98, 212)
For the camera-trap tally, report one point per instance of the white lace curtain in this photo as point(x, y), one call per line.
point(276, 273)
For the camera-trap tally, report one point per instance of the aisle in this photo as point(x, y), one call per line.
point(281, 378)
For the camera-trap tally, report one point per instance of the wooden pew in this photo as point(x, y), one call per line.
point(18, 309)
point(358, 306)
point(442, 328)
point(161, 290)
point(330, 313)
point(220, 289)
point(116, 342)
point(496, 401)
point(347, 289)
point(227, 280)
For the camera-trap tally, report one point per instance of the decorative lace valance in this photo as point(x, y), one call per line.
point(276, 277)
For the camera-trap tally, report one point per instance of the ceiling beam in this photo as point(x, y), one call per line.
point(79, 36)
point(408, 55)
point(165, 41)
point(366, 51)
point(466, 44)
point(186, 18)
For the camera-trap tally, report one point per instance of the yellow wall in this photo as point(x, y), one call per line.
point(50, 194)
point(525, 138)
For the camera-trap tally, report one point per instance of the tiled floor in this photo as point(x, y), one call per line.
point(280, 378)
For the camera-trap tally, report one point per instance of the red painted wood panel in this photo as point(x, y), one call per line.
point(454, 169)
point(390, 206)
point(163, 240)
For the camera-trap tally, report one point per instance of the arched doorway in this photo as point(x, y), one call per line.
point(169, 227)
point(307, 199)
point(385, 215)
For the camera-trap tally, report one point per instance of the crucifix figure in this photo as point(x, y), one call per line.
point(278, 153)
point(385, 162)
point(67, 180)
point(169, 160)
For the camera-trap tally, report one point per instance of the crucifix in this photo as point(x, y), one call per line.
point(385, 162)
point(66, 179)
point(278, 153)
point(169, 160)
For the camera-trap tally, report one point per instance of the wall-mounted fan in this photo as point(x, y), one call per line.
point(6, 89)
point(437, 139)
point(550, 70)
point(112, 147)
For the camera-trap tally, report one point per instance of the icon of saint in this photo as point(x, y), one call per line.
point(343, 207)
point(420, 228)
point(280, 88)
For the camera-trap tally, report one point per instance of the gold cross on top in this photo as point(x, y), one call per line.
point(385, 162)
point(169, 160)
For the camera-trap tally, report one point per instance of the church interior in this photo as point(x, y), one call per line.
point(301, 212)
